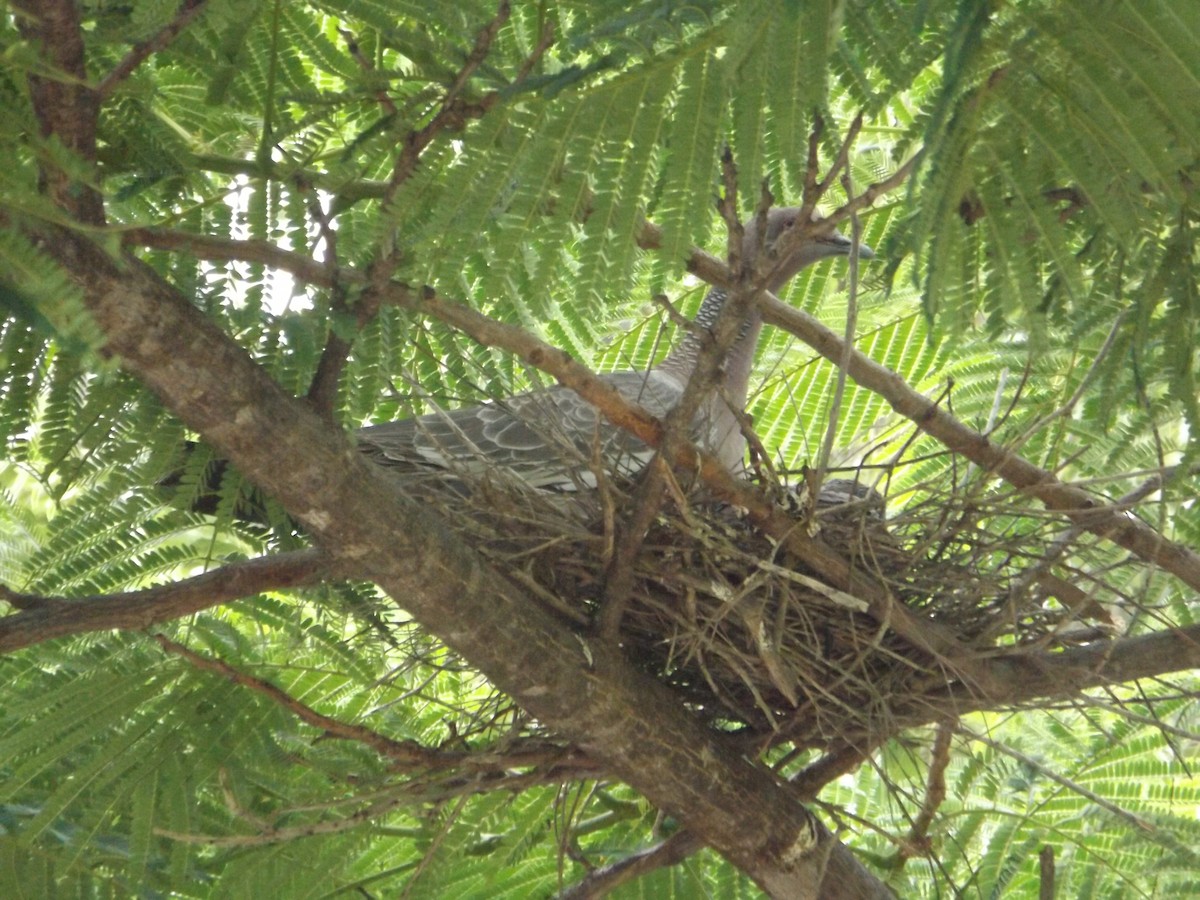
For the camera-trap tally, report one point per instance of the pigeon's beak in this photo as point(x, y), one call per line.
point(840, 245)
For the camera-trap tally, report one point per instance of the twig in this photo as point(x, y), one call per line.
point(451, 117)
point(1069, 406)
point(873, 191)
point(271, 836)
point(188, 11)
point(322, 391)
point(365, 64)
point(1074, 787)
point(1024, 676)
point(727, 207)
point(405, 753)
point(842, 160)
point(839, 391)
point(917, 843)
point(700, 385)
point(446, 822)
point(453, 113)
point(202, 246)
point(631, 534)
point(810, 196)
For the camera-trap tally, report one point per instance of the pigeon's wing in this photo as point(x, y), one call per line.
point(548, 438)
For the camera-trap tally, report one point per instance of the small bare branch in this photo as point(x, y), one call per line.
point(727, 207)
point(366, 65)
point(1073, 786)
point(453, 113)
point(217, 249)
point(839, 390)
point(874, 191)
point(599, 882)
point(189, 10)
point(404, 753)
point(1046, 873)
point(917, 843)
point(453, 116)
point(842, 161)
point(811, 196)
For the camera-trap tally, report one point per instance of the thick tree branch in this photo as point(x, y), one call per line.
point(65, 106)
point(45, 618)
point(1023, 677)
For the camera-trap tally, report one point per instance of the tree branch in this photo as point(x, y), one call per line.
point(1022, 677)
point(404, 755)
point(65, 107)
point(917, 842)
point(1117, 525)
point(44, 618)
point(189, 10)
point(1072, 786)
point(453, 116)
point(601, 881)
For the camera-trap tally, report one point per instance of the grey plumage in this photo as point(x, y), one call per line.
point(850, 497)
point(549, 437)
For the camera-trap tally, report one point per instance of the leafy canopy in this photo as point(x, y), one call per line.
point(1039, 275)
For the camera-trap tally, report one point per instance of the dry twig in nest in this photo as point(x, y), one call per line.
point(749, 637)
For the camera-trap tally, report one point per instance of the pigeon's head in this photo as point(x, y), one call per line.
point(822, 243)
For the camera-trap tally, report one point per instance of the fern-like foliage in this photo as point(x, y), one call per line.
point(1037, 277)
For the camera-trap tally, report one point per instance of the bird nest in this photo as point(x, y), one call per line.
point(749, 635)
